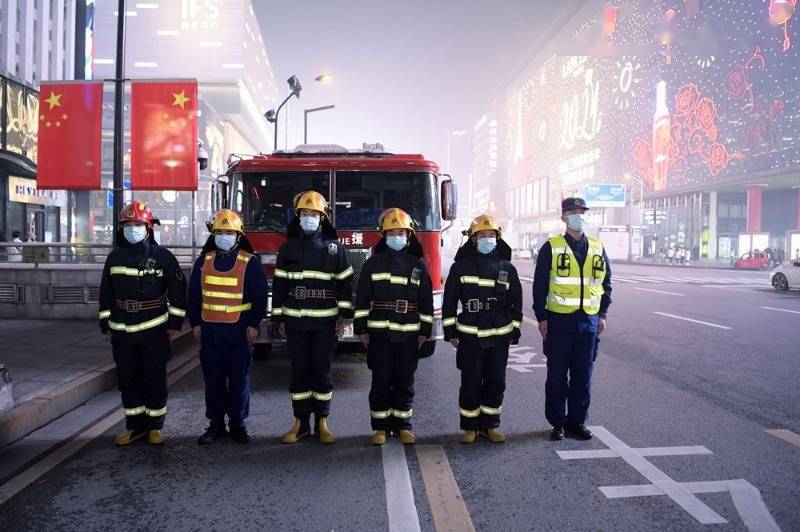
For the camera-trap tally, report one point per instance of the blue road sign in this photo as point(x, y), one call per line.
point(605, 195)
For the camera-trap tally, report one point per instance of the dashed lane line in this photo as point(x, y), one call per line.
point(526, 279)
point(785, 435)
point(693, 321)
point(657, 291)
point(400, 503)
point(447, 505)
point(40, 468)
point(532, 321)
point(782, 310)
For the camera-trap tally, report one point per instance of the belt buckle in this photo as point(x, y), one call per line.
point(473, 305)
point(132, 305)
point(401, 304)
point(300, 292)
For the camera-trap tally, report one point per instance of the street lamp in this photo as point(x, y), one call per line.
point(305, 119)
point(451, 133)
point(324, 78)
point(272, 115)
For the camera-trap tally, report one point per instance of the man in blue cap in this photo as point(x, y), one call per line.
point(571, 295)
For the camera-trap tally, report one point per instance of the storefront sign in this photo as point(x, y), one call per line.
point(24, 190)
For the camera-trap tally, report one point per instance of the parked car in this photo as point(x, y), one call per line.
point(753, 260)
point(786, 276)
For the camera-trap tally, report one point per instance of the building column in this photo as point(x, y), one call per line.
point(753, 209)
point(712, 225)
point(797, 210)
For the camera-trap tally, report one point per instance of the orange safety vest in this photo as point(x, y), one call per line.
point(223, 292)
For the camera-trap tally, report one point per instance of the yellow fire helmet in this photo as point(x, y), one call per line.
point(395, 218)
point(485, 222)
point(311, 200)
point(226, 220)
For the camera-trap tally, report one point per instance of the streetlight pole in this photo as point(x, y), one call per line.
point(119, 109)
point(305, 119)
point(630, 214)
point(272, 115)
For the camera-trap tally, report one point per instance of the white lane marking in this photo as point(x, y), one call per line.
point(746, 497)
point(782, 310)
point(30, 475)
point(693, 321)
point(526, 279)
point(657, 291)
point(399, 494)
point(644, 451)
point(532, 321)
point(615, 279)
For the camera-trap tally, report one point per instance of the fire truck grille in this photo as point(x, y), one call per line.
point(357, 259)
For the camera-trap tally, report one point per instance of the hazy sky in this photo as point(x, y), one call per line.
point(405, 71)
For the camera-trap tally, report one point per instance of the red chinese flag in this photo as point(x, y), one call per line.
point(164, 135)
point(70, 129)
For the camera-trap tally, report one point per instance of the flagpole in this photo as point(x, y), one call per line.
point(119, 108)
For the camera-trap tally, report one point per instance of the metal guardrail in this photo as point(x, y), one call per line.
point(37, 253)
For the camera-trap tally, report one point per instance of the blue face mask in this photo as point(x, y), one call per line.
point(486, 245)
point(134, 233)
point(309, 224)
point(396, 242)
point(576, 222)
point(225, 242)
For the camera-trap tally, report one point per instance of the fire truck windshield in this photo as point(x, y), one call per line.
point(265, 198)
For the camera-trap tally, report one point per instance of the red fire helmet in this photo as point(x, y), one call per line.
point(137, 211)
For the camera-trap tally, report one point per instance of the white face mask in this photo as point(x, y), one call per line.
point(134, 233)
point(576, 222)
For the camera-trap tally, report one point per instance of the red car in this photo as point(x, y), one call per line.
point(754, 260)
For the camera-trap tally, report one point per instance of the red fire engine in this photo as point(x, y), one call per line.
point(359, 185)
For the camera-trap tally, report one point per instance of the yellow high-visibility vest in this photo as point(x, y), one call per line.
point(567, 278)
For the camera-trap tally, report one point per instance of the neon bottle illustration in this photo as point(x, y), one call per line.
point(661, 138)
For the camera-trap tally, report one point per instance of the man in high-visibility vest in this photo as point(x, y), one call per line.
point(312, 292)
point(142, 305)
point(486, 284)
point(227, 301)
point(571, 295)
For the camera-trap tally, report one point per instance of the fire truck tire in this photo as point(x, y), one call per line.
point(261, 351)
point(427, 349)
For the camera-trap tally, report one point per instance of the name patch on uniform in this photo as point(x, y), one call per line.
point(333, 248)
point(416, 274)
point(502, 276)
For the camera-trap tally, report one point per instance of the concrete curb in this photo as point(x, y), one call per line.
point(41, 410)
point(675, 266)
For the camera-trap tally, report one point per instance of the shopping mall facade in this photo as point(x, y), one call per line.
point(715, 154)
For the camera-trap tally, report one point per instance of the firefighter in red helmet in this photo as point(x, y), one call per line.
point(142, 306)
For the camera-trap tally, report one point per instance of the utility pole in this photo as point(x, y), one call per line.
point(305, 119)
point(119, 116)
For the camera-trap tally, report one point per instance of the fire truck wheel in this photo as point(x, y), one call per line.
point(427, 349)
point(261, 351)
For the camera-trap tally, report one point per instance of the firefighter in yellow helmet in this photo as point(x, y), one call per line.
point(227, 301)
point(312, 292)
point(394, 317)
point(142, 306)
point(485, 283)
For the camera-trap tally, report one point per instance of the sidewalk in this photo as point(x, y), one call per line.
point(55, 366)
point(707, 265)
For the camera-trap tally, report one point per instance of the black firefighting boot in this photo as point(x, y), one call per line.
point(128, 437)
point(299, 430)
point(493, 435)
point(323, 432)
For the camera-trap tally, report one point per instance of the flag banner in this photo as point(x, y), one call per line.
point(164, 135)
point(70, 133)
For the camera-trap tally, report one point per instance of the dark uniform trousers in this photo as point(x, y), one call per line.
point(311, 355)
point(483, 383)
point(391, 395)
point(142, 377)
point(570, 361)
point(226, 370)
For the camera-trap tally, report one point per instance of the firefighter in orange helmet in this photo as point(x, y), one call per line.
point(227, 301)
point(142, 306)
point(394, 317)
point(312, 292)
